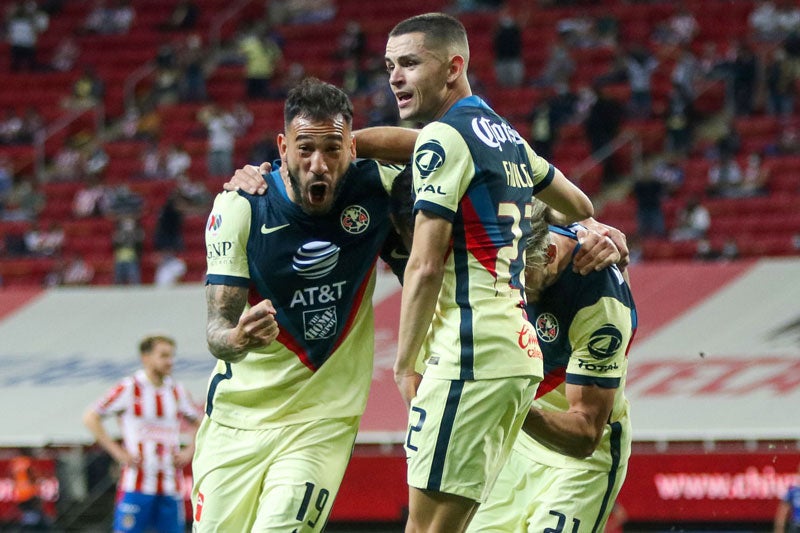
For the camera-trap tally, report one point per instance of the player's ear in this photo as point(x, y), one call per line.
point(282, 146)
point(352, 146)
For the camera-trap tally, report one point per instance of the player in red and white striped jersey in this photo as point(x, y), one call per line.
point(149, 406)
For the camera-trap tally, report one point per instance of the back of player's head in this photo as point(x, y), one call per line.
point(318, 101)
point(401, 201)
point(441, 31)
point(536, 246)
point(147, 344)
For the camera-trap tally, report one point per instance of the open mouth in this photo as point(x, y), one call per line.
point(317, 192)
point(403, 98)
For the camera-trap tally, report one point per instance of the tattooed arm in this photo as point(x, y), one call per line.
point(229, 332)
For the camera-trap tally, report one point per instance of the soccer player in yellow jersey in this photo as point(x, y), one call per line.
point(462, 305)
point(289, 296)
point(569, 462)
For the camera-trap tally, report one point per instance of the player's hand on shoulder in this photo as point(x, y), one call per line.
point(601, 247)
point(257, 326)
point(250, 179)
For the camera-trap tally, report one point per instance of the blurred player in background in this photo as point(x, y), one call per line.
point(569, 462)
point(150, 406)
point(787, 518)
point(289, 291)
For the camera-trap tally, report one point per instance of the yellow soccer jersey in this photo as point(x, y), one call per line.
point(473, 169)
point(585, 325)
point(319, 273)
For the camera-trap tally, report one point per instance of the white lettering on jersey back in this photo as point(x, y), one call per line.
point(494, 134)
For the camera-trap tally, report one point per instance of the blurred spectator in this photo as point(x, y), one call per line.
point(295, 73)
point(177, 160)
point(184, 16)
point(10, 127)
point(781, 83)
point(186, 198)
point(705, 251)
point(68, 161)
point(70, 271)
point(352, 43)
point(774, 20)
point(86, 92)
point(725, 177)
point(32, 123)
point(382, 109)
point(169, 270)
point(7, 179)
point(679, 121)
point(744, 75)
point(686, 72)
point(105, 19)
point(640, 65)
point(95, 158)
point(127, 241)
point(755, 176)
point(192, 63)
point(221, 127)
point(669, 171)
point(243, 118)
point(787, 143)
point(25, 201)
point(692, 221)
point(548, 117)
point(509, 67)
point(91, 200)
point(579, 31)
point(264, 149)
point(649, 193)
point(152, 162)
point(602, 126)
point(559, 67)
point(25, 494)
point(22, 35)
point(43, 241)
point(262, 57)
point(122, 201)
point(65, 54)
point(729, 250)
point(353, 80)
point(301, 11)
point(787, 515)
point(148, 125)
point(165, 89)
point(729, 141)
point(680, 29)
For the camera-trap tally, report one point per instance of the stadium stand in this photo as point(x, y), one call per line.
point(125, 64)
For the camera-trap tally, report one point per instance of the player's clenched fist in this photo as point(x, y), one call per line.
point(257, 326)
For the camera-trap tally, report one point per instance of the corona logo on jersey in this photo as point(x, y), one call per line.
point(546, 327)
point(354, 219)
point(430, 157)
point(605, 341)
point(494, 134)
point(315, 259)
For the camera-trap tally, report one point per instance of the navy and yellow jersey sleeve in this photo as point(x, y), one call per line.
point(541, 169)
point(227, 234)
point(443, 169)
point(319, 273)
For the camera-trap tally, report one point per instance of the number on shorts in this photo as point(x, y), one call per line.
point(319, 504)
point(417, 427)
point(562, 521)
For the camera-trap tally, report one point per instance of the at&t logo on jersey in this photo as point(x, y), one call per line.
point(214, 222)
point(494, 134)
point(354, 219)
point(429, 158)
point(315, 259)
point(547, 327)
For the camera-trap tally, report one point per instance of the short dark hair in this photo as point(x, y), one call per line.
point(318, 101)
point(148, 343)
point(440, 30)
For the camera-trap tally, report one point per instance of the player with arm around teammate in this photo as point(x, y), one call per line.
point(569, 462)
point(289, 295)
